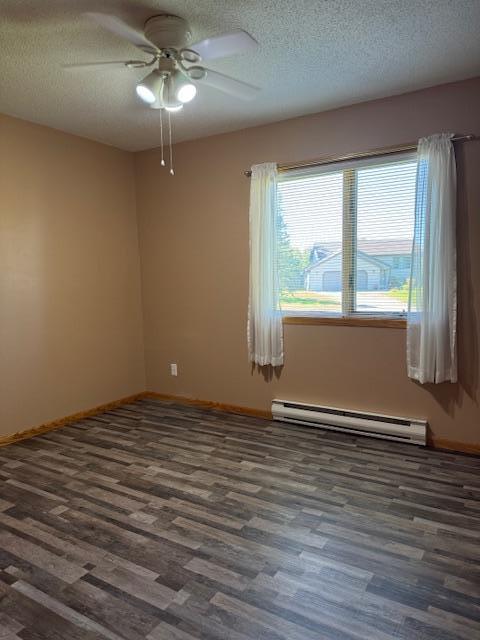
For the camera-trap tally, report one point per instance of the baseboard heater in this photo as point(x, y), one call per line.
point(409, 430)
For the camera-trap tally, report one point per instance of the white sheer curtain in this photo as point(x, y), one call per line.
point(265, 332)
point(432, 315)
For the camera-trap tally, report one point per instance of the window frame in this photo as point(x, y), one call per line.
point(348, 315)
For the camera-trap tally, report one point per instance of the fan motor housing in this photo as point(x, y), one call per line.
point(167, 32)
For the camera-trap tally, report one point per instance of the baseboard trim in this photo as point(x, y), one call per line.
point(433, 442)
point(210, 404)
point(453, 445)
point(60, 422)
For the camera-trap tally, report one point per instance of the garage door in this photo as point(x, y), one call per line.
point(362, 280)
point(332, 281)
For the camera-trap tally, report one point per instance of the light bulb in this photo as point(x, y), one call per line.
point(186, 92)
point(148, 89)
point(145, 94)
point(180, 88)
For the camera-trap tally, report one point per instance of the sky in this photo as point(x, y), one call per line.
point(312, 205)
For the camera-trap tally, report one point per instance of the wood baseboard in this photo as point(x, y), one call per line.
point(453, 445)
point(60, 422)
point(210, 404)
point(435, 443)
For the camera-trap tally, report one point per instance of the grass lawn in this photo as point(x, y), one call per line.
point(398, 294)
point(309, 301)
point(394, 300)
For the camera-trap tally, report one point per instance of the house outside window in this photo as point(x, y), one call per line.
point(344, 237)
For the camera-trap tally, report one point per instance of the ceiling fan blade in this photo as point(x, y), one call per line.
point(112, 63)
point(122, 29)
point(229, 85)
point(225, 44)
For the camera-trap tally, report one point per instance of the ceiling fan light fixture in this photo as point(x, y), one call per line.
point(180, 87)
point(145, 94)
point(166, 39)
point(158, 104)
point(168, 97)
point(175, 108)
point(148, 89)
point(187, 92)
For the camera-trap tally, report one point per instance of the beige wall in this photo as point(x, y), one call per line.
point(70, 303)
point(194, 253)
point(70, 308)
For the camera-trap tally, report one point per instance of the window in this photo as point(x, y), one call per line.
point(344, 237)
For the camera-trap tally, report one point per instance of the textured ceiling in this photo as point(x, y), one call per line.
point(313, 55)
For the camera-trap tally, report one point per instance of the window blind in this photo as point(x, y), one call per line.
point(344, 237)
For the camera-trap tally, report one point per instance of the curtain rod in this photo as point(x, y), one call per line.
point(354, 156)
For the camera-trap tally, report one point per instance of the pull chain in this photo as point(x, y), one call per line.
point(162, 161)
point(172, 172)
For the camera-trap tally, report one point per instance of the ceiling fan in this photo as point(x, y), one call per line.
point(175, 64)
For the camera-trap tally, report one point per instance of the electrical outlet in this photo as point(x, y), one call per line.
point(173, 369)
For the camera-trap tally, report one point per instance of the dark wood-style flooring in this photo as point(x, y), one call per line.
point(169, 522)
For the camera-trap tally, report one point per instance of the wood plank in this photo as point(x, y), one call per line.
point(159, 519)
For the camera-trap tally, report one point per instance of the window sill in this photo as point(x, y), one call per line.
point(376, 322)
